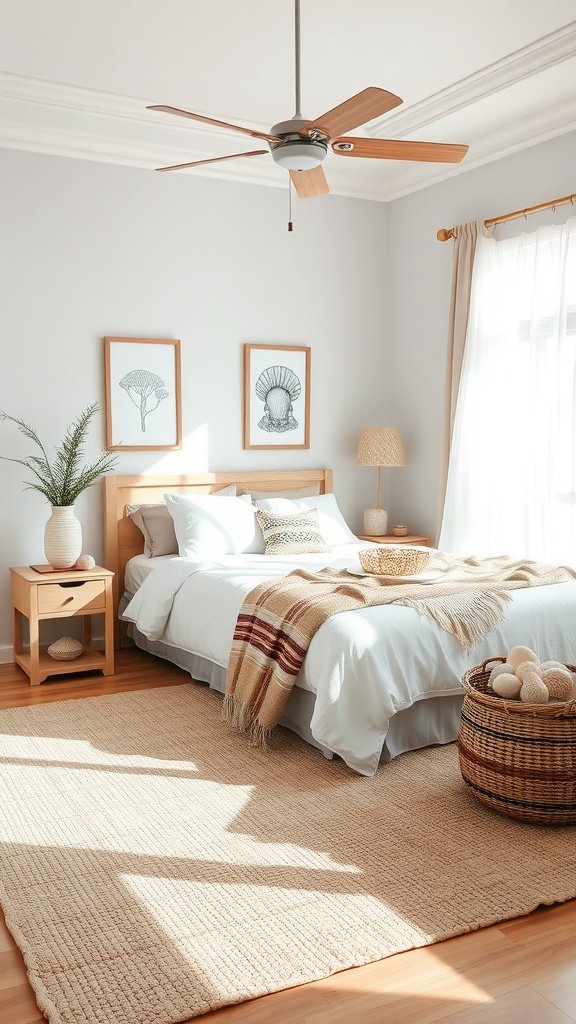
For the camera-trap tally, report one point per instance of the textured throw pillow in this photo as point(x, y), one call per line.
point(297, 533)
point(157, 525)
point(332, 523)
point(298, 492)
point(208, 526)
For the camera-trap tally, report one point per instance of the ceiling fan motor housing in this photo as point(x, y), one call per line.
point(294, 152)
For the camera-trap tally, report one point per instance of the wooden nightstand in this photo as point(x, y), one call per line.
point(61, 595)
point(389, 538)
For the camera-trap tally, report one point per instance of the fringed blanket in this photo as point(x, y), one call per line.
point(278, 620)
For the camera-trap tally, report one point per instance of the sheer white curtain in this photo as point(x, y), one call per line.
point(512, 476)
point(465, 242)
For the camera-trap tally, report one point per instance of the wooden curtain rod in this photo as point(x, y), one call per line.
point(445, 233)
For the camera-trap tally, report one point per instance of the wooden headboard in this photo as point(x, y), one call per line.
point(123, 540)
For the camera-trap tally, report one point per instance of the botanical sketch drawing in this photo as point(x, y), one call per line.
point(140, 386)
point(278, 387)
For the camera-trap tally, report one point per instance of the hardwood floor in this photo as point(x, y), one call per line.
point(518, 972)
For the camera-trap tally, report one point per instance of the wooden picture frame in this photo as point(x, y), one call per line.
point(142, 375)
point(276, 396)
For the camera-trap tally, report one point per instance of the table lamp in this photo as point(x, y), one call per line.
point(379, 446)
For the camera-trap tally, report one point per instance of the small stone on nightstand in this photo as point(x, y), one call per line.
point(85, 562)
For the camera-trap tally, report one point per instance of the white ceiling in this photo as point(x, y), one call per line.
point(75, 78)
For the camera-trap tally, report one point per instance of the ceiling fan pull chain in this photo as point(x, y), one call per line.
point(290, 224)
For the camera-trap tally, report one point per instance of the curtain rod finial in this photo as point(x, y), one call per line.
point(444, 234)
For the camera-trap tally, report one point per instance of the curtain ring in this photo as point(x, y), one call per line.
point(553, 209)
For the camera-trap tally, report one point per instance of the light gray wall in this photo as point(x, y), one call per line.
point(88, 250)
point(420, 270)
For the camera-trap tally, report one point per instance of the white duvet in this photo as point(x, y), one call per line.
point(364, 666)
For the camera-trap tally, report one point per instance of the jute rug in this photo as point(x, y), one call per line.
point(155, 866)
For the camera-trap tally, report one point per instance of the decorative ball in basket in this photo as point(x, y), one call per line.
point(518, 755)
point(394, 560)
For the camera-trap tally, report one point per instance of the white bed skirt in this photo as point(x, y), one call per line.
point(428, 721)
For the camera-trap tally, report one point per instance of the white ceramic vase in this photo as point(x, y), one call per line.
point(375, 522)
point(62, 537)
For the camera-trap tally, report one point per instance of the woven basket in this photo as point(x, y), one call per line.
point(394, 560)
point(519, 759)
point(65, 649)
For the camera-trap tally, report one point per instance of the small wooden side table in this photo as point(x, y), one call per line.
point(62, 595)
point(389, 538)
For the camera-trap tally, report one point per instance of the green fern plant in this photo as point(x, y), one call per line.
point(63, 479)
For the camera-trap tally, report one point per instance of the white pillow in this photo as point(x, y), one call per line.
point(157, 526)
point(208, 526)
point(332, 523)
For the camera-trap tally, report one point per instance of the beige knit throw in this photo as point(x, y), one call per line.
point(279, 618)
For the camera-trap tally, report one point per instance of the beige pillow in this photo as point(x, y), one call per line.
point(157, 525)
point(299, 492)
point(297, 533)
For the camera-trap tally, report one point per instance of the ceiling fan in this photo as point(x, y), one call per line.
point(301, 145)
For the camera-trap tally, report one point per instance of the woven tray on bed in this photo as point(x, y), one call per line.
point(519, 759)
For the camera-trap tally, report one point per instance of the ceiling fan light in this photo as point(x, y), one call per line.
point(299, 155)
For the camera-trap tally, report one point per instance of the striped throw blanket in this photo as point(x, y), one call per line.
point(279, 618)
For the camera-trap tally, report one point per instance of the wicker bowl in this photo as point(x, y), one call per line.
point(65, 649)
point(518, 759)
point(394, 560)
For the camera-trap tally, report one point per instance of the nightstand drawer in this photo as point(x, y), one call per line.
point(88, 595)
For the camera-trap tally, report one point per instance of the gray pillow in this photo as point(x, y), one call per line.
point(299, 492)
point(157, 525)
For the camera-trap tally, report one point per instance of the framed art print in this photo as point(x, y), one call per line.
point(276, 396)
point(142, 394)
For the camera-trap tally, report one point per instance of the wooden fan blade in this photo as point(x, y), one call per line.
point(211, 120)
point(212, 160)
point(397, 149)
point(359, 109)
point(310, 183)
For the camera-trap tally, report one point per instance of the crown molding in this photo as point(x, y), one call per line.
point(525, 133)
point(42, 117)
point(72, 144)
point(81, 123)
point(38, 92)
point(516, 66)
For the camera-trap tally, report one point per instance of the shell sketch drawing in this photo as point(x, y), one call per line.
point(140, 385)
point(278, 387)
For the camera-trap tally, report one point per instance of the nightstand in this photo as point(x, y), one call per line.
point(62, 595)
point(389, 538)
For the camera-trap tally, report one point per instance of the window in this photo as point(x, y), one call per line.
point(512, 476)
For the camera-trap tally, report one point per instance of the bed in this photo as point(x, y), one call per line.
point(375, 682)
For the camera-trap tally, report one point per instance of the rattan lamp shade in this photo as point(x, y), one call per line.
point(380, 446)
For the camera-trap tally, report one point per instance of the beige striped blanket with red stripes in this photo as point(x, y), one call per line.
point(279, 618)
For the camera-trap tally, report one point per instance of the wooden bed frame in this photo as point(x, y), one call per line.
point(123, 540)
